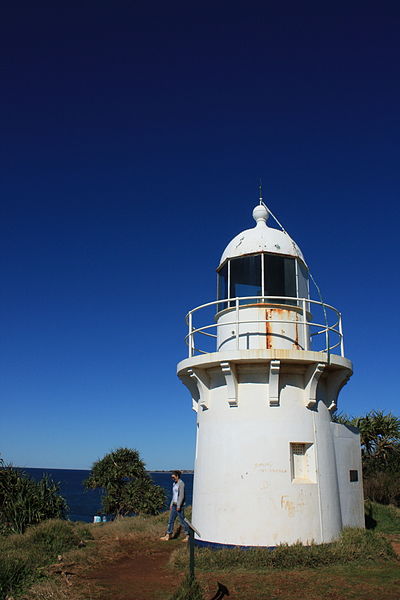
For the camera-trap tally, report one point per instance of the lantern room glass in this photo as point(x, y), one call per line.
point(280, 278)
point(222, 291)
point(245, 277)
point(262, 275)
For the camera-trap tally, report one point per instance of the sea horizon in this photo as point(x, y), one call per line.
point(84, 504)
point(89, 469)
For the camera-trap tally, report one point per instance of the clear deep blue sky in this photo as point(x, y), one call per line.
point(132, 143)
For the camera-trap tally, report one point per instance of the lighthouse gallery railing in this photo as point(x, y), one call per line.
point(330, 333)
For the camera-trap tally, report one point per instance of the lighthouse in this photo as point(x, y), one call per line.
point(264, 369)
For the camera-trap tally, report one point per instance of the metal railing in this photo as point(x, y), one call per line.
point(331, 333)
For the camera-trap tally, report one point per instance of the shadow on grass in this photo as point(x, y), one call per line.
point(370, 522)
point(222, 591)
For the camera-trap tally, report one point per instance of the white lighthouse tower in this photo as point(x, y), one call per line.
point(265, 367)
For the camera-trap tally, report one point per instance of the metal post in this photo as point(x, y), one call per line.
point(190, 335)
point(237, 323)
point(306, 341)
point(191, 553)
point(327, 338)
point(262, 276)
point(192, 531)
point(341, 335)
point(229, 282)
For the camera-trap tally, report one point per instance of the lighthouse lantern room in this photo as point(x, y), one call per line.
point(265, 367)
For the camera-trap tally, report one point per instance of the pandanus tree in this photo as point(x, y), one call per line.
point(128, 487)
point(24, 501)
point(380, 440)
point(380, 433)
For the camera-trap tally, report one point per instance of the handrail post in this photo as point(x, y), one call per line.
point(341, 336)
point(327, 338)
point(306, 340)
point(237, 323)
point(190, 335)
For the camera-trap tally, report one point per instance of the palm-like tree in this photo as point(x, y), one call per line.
point(380, 435)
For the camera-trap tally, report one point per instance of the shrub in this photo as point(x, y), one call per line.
point(24, 501)
point(383, 487)
point(14, 572)
point(54, 537)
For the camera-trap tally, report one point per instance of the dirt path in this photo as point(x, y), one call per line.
point(395, 541)
point(142, 574)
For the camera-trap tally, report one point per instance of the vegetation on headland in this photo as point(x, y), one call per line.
point(128, 487)
point(24, 501)
point(25, 549)
point(47, 555)
point(35, 557)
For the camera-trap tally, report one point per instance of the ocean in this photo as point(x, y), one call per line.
point(85, 504)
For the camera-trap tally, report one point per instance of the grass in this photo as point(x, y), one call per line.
point(189, 589)
point(149, 525)
point(353, 545)
point(48, 590)
point(337, 582)
point(381, 518)
point(360, 565)
point(24, 555)
point(363, 557)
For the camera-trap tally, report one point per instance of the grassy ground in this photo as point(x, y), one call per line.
point(382, 519)
point(25, 556)
point(353, 545)
point(344, 582)
point(124, 555)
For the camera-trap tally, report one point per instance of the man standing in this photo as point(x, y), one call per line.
point(177, 507)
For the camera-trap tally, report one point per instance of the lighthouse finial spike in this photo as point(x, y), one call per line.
point(260, 213)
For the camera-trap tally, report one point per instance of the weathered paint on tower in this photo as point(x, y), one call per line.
point(265, 367)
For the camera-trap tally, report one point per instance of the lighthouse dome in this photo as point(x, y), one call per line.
point(261, 238)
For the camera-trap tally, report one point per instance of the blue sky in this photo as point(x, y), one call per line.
point(132, 145)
